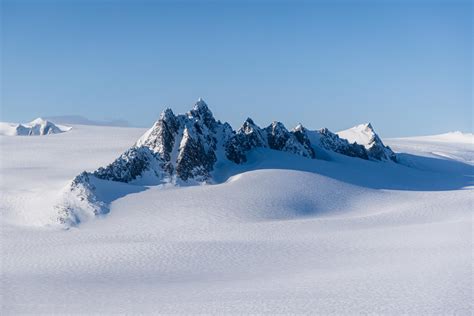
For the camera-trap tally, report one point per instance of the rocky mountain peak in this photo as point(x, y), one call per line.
point(167, 115)
point(248, 127)
point(188, 147)
point(278, 127)
point(365, 135)
point(201, 111)
point(299, 128)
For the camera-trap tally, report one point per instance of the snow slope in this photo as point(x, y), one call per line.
point(38, 126)
point(361, 134)
point(345, 236)
point(451, 137)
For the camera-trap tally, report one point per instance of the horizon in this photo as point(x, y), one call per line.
point(406, 67)
point(82, 120)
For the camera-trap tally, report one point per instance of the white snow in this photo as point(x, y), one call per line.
point(295, 235)
point(451, 137)
point(362, 134)
point(38, 126)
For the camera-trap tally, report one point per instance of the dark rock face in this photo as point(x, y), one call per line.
point(275, 137)
point(376, 148)
point(201, 113)
point(333, 142)
point(249, 136)
point(194, 161)
point(279, 138)
point(301, 134)
point(129, 166)
point(160, 138)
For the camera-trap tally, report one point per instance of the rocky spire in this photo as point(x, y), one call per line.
point(201, 111)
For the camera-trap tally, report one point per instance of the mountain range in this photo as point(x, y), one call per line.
point(190, 148)
point(37, 127)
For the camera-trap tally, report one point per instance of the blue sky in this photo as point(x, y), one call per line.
point(405, 66)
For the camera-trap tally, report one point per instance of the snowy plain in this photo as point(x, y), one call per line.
point(282, 235)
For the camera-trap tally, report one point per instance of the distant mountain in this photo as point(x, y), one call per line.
point(81, 120)
point(190, 148)
point(36, 127)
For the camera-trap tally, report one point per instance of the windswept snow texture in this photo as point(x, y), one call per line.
point(293, 235)
point(195, 148)
point(36, 127)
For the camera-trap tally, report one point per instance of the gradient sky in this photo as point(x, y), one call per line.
point(406, 66)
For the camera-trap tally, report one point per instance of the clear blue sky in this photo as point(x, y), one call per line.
point(406, 66)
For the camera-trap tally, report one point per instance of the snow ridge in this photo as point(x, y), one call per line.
point(185, 149)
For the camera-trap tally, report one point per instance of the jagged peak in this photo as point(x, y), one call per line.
point(248, 127)
point(299, 128)
point(200, 104)
point(364, 127)
point(367, 127)
point(167, 114)
point(201, 107)
point(277, 125)
point(325, 130)
point(363, 134)
point(249, 121)
point(202, 111)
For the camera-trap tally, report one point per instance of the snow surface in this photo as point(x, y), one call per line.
point(38, 126)
point(295, 235)
point(451, 137)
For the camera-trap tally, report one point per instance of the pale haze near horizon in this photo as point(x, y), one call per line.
point(405, 66)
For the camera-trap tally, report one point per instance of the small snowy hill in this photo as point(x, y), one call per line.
point(36, 127)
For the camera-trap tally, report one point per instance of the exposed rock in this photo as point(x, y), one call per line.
point(279, 138)
point(333, 142)
point(301, 134)
point(249, 136)
point(194, 161)
point(129, 166)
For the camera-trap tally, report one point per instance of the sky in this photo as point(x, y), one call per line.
point(405, 66)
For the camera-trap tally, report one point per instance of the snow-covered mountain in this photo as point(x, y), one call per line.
point(38, 126)
point(192, 148)
point(365, 135)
